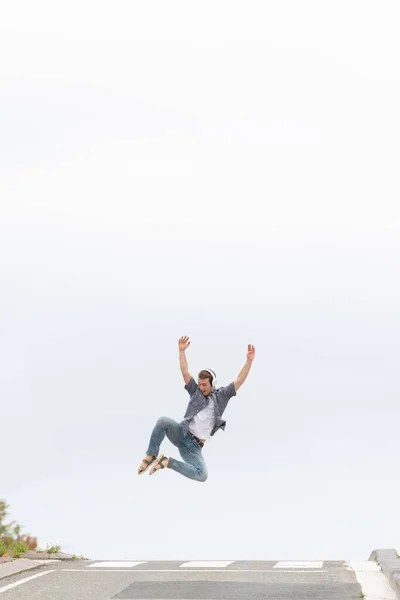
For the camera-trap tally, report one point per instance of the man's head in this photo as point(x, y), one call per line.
point(206, 380)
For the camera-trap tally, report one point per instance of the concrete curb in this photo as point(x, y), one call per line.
point(31, 560)
point(19, 565)
point(390, 564)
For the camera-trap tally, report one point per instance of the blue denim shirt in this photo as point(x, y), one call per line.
point(198, 401)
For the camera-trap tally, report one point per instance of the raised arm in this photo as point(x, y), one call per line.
point(183, 344)
point(251, 352)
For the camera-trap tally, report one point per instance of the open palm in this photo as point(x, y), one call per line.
point(183, 342)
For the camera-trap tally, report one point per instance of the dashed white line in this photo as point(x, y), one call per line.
point(117, 564)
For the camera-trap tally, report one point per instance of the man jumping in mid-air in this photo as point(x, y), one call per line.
point(203, 417)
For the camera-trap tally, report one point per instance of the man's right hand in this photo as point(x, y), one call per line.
point(183, 342)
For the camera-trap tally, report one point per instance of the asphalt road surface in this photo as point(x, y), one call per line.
point(180, 580)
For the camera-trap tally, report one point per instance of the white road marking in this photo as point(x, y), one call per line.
point(374, 583)
point(117, 564)
point(285, 564)
point(13, 585)
point(193, 571)
point(207, 563)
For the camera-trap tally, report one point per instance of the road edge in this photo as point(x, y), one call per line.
point(389, 562)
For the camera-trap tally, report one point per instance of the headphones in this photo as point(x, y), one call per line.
point(214, 378)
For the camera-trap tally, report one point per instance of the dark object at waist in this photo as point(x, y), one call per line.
point(198, 440)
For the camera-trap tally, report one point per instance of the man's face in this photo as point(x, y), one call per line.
point(205, 386)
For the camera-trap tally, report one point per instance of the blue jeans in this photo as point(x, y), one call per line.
point(194, 466)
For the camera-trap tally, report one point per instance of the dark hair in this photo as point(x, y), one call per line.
point(206, 375)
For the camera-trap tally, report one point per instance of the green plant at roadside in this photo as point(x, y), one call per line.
point(12, 542)
point(49, 549)
point(18, 549)
point(3, 548)
point(52, 549)
point(12, 529)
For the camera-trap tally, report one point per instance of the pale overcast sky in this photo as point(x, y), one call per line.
point(228, 171)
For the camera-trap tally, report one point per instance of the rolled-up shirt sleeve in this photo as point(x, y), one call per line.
point(225, 394)
point(191, 386)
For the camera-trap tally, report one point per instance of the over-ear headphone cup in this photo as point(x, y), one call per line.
point(213, 378)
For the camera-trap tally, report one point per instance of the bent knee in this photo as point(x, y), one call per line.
point(163, 421)
point(202, 477)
